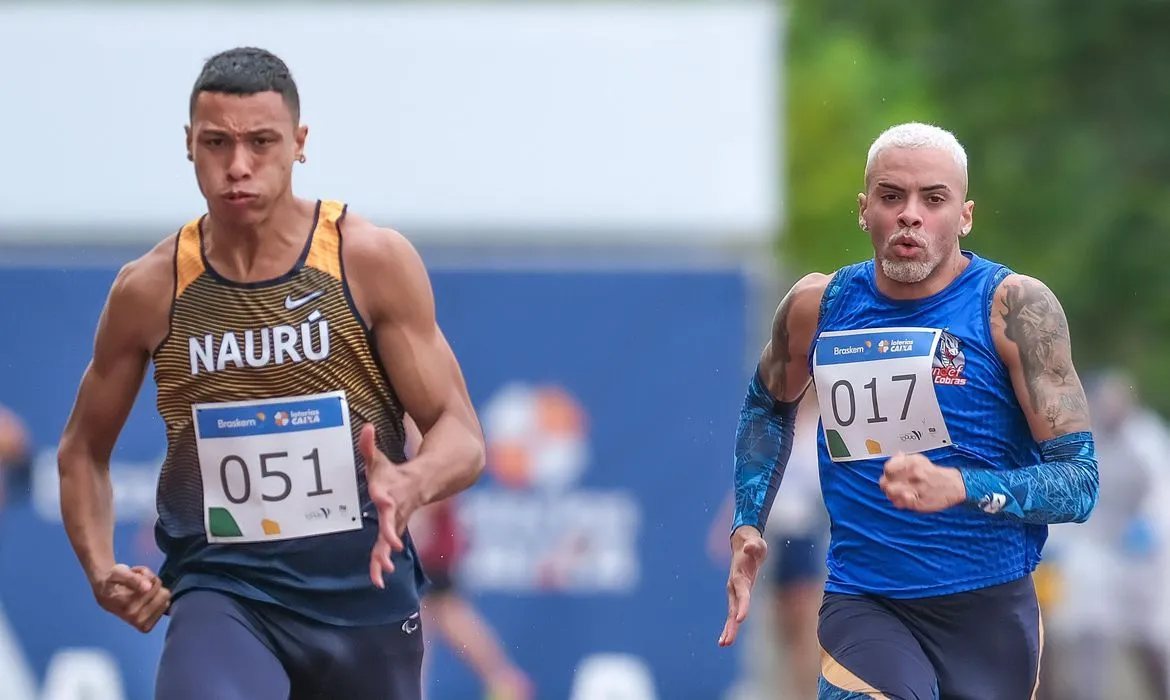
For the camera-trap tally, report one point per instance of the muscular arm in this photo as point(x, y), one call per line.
point(1031, 334)
point(392, 287)
point(128, 327)
point(767, 420)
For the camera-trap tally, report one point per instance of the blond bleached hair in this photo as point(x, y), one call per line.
point(918, 135)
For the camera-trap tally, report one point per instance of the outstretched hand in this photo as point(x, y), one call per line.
point(396, 496)
point(748, 552)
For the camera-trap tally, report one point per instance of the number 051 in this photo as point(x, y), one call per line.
point(268, 471)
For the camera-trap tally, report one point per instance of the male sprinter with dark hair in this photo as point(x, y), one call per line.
point(289, 338)
point(954, 431)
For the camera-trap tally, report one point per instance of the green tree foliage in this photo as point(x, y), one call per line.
point(1062, 109)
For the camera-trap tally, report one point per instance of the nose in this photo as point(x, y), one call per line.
point(911, 214)
point(240, 167)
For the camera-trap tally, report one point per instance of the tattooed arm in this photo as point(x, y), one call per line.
point(763, 439)
point(1032, 336)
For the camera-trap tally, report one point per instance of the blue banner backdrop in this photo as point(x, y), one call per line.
point(609, 401)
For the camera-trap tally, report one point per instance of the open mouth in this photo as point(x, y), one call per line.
point(239, 197)
point(905, 246)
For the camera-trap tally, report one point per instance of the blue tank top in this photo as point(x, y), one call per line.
point(876, 548)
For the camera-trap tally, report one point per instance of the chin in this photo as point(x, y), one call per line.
point(240, 215)
point(907, 271)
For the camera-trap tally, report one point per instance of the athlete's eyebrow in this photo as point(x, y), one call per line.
point(897, 188)
point(261, 131)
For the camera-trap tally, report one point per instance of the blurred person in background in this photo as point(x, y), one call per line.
point(926, 348)
point(1112, 579)
point(284, 367)
point(445, 611)
point(15, 456)
point(16, 682)
point(796, 536)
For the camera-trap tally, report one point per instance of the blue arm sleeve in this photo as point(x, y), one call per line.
point(1061, 489)
point(763, 444)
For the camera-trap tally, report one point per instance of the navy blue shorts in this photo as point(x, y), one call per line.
point(978, 645)
point(797, 560)
point(227, 648)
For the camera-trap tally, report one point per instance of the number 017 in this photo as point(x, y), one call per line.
point(872, 385)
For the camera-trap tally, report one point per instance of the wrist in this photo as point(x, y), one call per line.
point(958, 486)
point(417, 473)
point(742, 534)
point(98, 569)
point(973, 484)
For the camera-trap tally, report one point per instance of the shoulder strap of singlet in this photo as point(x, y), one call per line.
point(188, 256)
point(995, 279)
point(841, 278)
point(325, 250)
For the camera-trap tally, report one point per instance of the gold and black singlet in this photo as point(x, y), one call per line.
point(264, 388)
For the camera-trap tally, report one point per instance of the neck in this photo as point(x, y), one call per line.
point(946, 272)
point(246, 246)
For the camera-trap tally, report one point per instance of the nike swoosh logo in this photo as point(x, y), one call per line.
point(293, 304)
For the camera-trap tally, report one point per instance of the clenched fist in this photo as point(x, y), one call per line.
point(134, 594)
point(913, 482)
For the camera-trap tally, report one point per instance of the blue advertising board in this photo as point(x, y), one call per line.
point(609, 401)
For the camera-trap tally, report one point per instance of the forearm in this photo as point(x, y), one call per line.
point(1062, 488)
point(449, 460)
point(763, 444)
point(87, 509)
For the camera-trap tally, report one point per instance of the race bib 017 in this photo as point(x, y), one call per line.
point(876, 392)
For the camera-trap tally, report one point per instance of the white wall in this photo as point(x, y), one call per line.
point(524, 120)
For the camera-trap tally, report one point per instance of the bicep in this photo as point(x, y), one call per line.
point(418, 359)
point(110, 383)
point(1032, 335)
point(784, 361)
point(421, 367)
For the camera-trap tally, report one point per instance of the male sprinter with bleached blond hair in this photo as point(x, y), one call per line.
point(954, 430)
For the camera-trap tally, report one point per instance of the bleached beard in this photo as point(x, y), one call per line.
point(910, 271)
point(907, 271)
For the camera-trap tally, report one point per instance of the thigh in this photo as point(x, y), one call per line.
point(364, 663)
point(867, 652)
point(213, 649)
point(985, 644)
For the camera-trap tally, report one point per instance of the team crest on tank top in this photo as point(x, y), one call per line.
point(949, 361)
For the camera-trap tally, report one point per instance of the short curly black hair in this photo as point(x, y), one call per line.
point(248, 71)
